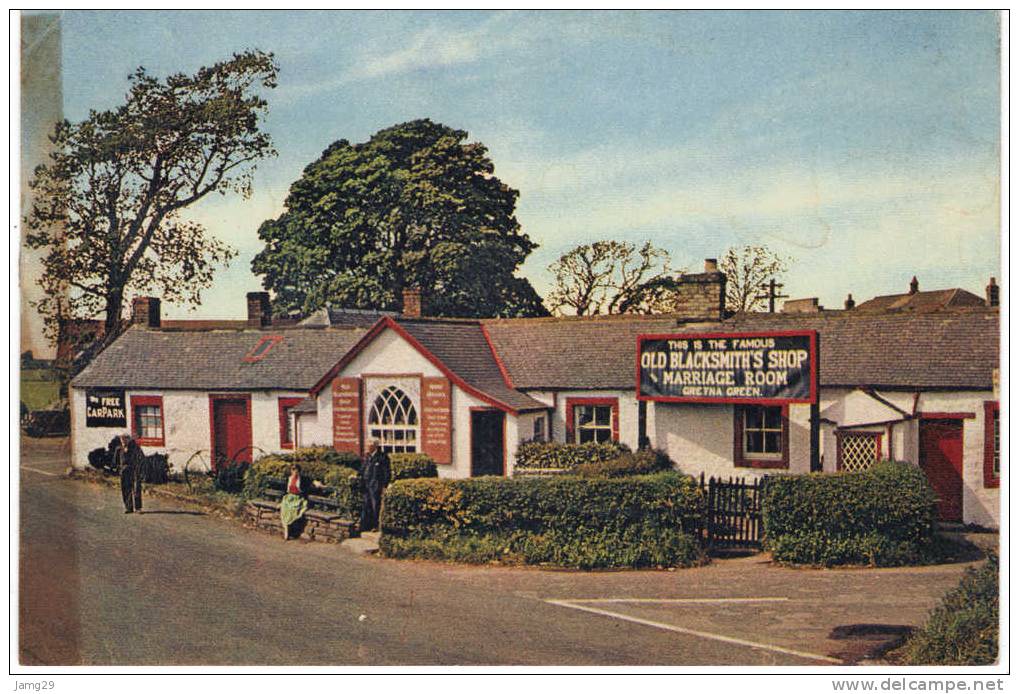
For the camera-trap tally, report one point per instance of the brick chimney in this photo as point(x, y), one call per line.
point(145, 311)
point(850, 303)
point(992, 293)
point(701, 297)
point(914, 285)
point(810, 305)
point(259, 312)
point(411, 302)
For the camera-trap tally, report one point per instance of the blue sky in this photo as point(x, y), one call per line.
point(865, 145)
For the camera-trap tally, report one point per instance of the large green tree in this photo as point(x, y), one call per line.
point(108, 202)
point(415, 205)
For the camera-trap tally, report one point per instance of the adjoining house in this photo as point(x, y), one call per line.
point(841, 390)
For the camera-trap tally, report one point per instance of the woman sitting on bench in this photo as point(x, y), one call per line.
point(295, 501)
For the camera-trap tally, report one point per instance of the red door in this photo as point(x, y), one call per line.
point(231, 430)
point(941, 460)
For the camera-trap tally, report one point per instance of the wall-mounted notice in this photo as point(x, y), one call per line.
point(767, 368)
point(105, 408)
point(437, 419)
point(347, 415)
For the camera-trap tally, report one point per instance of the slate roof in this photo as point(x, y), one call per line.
point(954, 349)
point(340, 317)
point(922, 301)
point(462, 347)
point(214, 359)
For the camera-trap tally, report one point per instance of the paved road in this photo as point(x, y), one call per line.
point(173, 586)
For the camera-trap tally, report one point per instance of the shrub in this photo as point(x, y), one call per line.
point(566, 521)
point(539, 455)
point(229, 477)
point(156, 469)
point(645, 462)
point(884, 516)
point(963, 629)
point(405, 466)
point(322, 454)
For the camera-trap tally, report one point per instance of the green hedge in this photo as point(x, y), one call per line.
point(566, 521)
point(882, 517)
point(538, 455)
point(319, 454)
point(963, 629)
point(405, 466)
point(646, 462)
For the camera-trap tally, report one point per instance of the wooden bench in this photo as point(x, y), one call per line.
point(322, 521)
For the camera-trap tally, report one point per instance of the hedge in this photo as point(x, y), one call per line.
point(963, 629)
point(643, 521)
point(644, 462)
point(884, 516)
point(538, 455)
point(405, 466)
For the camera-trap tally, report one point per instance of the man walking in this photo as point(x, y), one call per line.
point(130, 457)
point(375, 475)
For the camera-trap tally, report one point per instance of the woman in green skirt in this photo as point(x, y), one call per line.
point(295, 501)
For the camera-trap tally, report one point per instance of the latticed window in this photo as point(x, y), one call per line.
point(394, 421)
point(147, 419)
point(858, 450)
point(762, 431)
point(593, 423)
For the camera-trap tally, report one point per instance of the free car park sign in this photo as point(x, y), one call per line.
point(760, 368)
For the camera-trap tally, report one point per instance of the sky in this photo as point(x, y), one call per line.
point(863, 145)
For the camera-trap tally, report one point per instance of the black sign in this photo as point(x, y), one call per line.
point(105, 408)
point(767, 368)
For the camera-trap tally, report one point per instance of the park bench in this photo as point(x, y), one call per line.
point(322, 521)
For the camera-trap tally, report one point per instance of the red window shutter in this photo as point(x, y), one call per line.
point(347, 415)
point(437, 419)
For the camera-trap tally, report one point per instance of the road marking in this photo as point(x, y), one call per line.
point(41, 472)
point(694, 632)
point(677, 601)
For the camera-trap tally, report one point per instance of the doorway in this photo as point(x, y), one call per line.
point(941, 461)
point(231, 429)
point(487, 444)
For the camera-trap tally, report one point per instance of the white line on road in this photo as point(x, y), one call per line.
point(694, 632)
point(677, 601)
point(41, 472)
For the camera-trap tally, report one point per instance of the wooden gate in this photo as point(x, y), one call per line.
point(732, 513)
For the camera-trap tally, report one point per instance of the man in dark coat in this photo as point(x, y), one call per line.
point(375, 475)
point(131, 459)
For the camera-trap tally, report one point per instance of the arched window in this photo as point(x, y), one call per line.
point(394, 421)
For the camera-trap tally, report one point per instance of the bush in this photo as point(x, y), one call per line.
point(538, 455)
point(405, 466)
point(229, 477)
point(645, 462)
point(963, 629)
point(882, 517)
point(321, 454)
point(566, 521)
point(156, 468)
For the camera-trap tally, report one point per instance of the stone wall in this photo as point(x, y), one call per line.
point(316, 526)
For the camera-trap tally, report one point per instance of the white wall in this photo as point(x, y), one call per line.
point(186, 426)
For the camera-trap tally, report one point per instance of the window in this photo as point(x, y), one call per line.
point(262, 347)
point(539, 428)
point(287, 422)
point(992, 445)
point(761, 436)
point(592, 420)
point(147, 419)
point(394, 421)
point(858, 450)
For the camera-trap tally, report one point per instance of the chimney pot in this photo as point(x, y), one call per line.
point(850, 303)
point(411, 302)
point(914, 285)
point(145, 310)
point(259, 311)
point(992, 293)
point(711, 265)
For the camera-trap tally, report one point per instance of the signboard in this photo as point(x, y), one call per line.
point(762, 368)
point(437, 419)
point(347, 415)
point(105, 408)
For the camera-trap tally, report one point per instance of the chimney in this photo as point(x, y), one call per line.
point(259, 312)
point(992, 293)
point(411, 302)
point(145, 311)
point(810, 305)
point(701, 297)
point(914, 285)
point(850, 304)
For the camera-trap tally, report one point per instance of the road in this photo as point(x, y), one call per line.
point(175, 586)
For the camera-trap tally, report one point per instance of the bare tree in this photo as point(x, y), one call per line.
point(607, 277)
point(747, 269)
